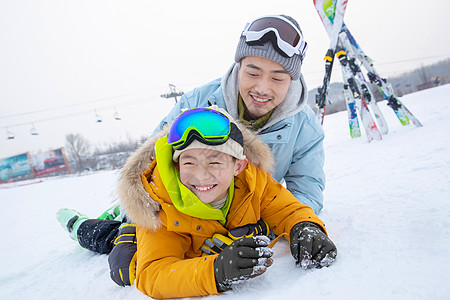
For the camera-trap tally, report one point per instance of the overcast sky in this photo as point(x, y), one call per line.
point(62, 62)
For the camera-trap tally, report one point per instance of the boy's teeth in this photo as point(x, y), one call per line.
point(204, 188)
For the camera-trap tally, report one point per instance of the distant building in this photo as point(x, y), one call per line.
point(425, 85)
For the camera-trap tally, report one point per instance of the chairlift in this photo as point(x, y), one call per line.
point(117, 116)
point(9, 135)
point(99, 118)
point(33, 130)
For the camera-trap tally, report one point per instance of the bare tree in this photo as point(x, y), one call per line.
point(423, 74)
point(78, 149)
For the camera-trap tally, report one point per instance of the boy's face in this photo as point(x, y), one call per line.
point(208, 173)
point(263, 84)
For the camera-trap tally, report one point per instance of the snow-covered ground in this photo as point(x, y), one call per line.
point(387, 208)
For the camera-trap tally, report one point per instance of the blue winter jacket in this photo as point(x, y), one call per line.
point(292, 132)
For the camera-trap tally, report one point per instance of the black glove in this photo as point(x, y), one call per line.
point(259, 228)
point(218, 242)
point(122, 259)
point(243, 259)
point(311, 247)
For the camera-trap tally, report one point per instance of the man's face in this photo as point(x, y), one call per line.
point(263, 84)
point(208, 173)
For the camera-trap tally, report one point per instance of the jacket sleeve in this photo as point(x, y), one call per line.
point(305, 178)
point(164, 271)
point(282, 211)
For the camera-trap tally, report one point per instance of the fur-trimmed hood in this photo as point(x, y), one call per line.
point(136, 201)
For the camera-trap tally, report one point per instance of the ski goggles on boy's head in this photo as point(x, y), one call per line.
point(209, 126)
point(284, 35)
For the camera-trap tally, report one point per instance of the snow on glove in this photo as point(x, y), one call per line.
point(122, 259)
point(311, 247)
point(218, 242)
point(243, 259)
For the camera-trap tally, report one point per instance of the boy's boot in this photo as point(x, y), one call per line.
point(71, 221)
point(111, 213)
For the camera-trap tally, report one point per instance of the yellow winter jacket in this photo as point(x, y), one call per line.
point(169, 259)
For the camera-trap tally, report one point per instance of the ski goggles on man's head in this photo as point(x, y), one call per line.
point(283, 34)
point(209, 126)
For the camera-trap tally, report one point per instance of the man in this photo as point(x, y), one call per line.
point(265, 89)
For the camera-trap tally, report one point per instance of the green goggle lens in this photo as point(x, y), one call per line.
point(207, 125)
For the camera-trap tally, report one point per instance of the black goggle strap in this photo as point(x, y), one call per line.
point(236, 134)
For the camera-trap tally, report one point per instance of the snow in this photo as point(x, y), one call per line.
point(387, 209)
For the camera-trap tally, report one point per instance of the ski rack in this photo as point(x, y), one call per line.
point(357, 93)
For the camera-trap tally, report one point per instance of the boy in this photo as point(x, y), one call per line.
point(209, 175)
point(266, 91)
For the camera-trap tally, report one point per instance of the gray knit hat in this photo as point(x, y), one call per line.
point(291, 64)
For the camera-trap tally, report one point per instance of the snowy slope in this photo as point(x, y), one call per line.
point(387, 209)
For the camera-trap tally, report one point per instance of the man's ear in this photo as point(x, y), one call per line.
point(240, 165)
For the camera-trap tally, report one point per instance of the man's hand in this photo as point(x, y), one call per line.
point(311, 247)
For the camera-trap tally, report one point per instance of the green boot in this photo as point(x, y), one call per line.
point(71, 221)
point(111, 213)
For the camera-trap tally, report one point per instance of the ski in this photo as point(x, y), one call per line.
point(338, 12)
point(401, 111)
point(362, 84)
point(325, 10)
point(353, 122)
point(370, 127)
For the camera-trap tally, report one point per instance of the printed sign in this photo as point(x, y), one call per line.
point(24, 166)
point(49, 162)
point(15, 167)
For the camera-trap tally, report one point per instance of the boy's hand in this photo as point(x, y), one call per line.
point(122, 259)
point(259, 228)
point(311, 247)
point(218, 242)
point(243, 259)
